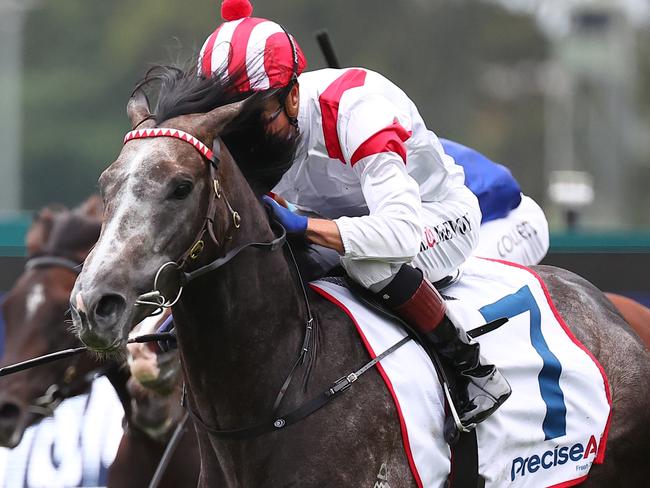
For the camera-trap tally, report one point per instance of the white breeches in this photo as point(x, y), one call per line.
point(520, 237)
point(450, 235)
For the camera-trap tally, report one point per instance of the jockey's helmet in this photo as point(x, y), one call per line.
point(260, 53)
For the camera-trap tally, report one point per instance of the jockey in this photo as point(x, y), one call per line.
point(513, 226)
point(388, 198)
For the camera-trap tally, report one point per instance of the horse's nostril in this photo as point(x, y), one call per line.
point(9, 412)
point(110, 305)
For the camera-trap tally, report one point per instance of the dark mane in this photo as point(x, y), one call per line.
point(181, 91)
point(262, 157)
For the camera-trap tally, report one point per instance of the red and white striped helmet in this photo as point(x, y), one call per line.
point(260, 52)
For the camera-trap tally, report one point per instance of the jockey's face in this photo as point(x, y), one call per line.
point(276, 116)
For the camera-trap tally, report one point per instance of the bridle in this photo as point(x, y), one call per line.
point(157, 299)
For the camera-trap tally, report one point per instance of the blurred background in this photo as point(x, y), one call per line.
point(557, 90)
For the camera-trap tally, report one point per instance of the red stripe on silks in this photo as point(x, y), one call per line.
point(600, 456)
point(389, 385)
point(239, 46)
point(329, 105)
point(279, 65)
point(206, 60)
point(389, 139)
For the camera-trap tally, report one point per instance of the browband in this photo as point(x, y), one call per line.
point(176, 134)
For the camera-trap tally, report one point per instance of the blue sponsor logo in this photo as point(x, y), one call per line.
point(549, 459)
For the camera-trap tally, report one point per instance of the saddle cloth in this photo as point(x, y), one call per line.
point(553, 426)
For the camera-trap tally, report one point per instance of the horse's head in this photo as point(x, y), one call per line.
point(157, 196)
point(34, 312)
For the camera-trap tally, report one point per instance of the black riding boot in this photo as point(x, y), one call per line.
point(480, 387)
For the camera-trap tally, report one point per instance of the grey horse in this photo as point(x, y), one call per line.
point(240, 327)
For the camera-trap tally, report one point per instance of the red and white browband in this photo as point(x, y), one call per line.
point(175, 133)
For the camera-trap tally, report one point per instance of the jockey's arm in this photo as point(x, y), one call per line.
point(325, 233)
point(392, 230)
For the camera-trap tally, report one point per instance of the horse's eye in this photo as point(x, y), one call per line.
point(182, 190)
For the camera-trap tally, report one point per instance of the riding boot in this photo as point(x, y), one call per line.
point(480, 387)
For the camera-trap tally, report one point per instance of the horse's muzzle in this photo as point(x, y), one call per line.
point(99, 325)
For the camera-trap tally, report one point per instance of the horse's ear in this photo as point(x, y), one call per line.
point(92, 207)
point(214, 122)
point(39, 232)
point(138, 109)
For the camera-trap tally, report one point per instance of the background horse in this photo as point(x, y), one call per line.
point(241, 326)
point(34, 312)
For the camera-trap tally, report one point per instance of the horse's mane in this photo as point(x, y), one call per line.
point(262, 157)
point(181, 91)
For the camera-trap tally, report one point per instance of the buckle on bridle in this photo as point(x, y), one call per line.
point(236, 219)
point(196, 249)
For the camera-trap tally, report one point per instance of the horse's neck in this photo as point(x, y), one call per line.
point(239, 329)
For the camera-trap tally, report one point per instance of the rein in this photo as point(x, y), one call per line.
point(66, 353)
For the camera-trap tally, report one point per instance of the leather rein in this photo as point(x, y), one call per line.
point(157, 299)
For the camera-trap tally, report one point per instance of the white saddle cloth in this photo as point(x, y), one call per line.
point(553, 426)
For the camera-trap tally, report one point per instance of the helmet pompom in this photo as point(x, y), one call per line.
point(235, 9)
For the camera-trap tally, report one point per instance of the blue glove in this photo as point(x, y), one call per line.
point(292, 222)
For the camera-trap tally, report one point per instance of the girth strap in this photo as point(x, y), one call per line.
point(464, 463)
point(304, 410)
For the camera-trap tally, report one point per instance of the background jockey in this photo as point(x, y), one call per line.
point(513, 226)
point(363, 160)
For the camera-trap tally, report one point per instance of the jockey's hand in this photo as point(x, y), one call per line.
point(292, 222)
